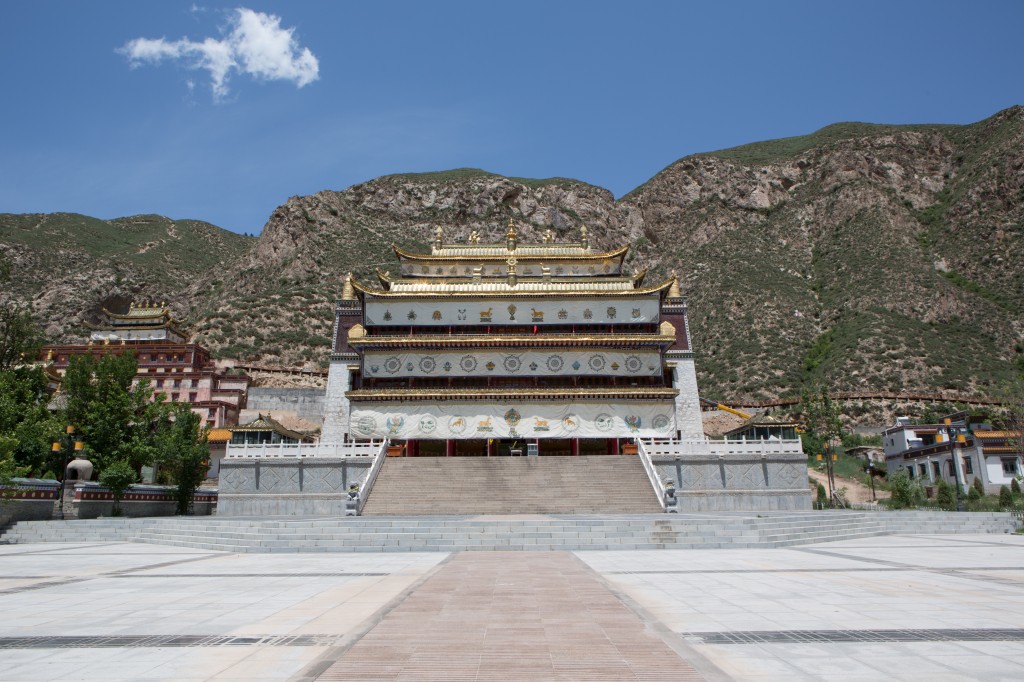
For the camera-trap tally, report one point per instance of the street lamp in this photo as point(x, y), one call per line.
point(70, 444)
point(952, 437)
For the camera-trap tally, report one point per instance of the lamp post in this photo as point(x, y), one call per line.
point(952, 436)
point(69, 444)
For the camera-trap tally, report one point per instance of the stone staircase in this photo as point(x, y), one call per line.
point(410, 486)
point(524, 532)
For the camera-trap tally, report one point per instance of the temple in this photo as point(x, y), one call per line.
point(492, 349)
point(474, 352)
point(176, 369)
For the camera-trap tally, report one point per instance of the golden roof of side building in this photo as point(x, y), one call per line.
point(218, 436)
point(143, 312)
point(993, 435)
point(264, 422)
point(531, 287)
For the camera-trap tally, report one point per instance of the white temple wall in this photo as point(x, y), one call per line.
point(687, 404)
point(336, 405)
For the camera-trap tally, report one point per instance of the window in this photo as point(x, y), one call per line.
point(951, 469)
point(177, 383)
point(910, 471)
point(937, 469)
point(968, 465)
point(191, 397)
point(159, 383)
point(922, 469)
point(1010, 466)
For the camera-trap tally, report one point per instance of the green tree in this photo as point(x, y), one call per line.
point(8, 467)
point(117, 477)
point(823, 426)
point(24, 417)
point(979, 486)
point(181, 449)
point(20, 338)
point(115, 419)
point(822, 499)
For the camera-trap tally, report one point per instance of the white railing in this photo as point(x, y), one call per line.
point(652, 473)
point(669, 447)
point(302, 450)
point(371, 476)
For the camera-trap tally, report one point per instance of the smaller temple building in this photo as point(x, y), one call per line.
point(176, 369)
point(930, 452)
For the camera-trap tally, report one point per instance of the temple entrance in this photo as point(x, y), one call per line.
point(509, 447)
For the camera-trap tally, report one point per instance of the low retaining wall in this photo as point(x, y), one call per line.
point(313, 486)
point(39, 499)
point(737, 482)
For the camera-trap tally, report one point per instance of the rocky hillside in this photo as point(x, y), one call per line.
point(870, 257)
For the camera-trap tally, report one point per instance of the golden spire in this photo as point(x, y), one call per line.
point(512, 275)
point(673, 289)
point(511, 236)
point(584, 239)
point(348, 293)
point(438, 232)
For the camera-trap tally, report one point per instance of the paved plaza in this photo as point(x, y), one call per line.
point(892, 607)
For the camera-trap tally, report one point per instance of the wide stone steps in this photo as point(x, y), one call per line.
point(454, 533)
point(411, 486)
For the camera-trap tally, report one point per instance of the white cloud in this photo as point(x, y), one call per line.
point(254, 44)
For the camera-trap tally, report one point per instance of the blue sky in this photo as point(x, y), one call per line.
point(609, 93)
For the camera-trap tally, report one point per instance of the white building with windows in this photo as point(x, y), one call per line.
point(928, 452)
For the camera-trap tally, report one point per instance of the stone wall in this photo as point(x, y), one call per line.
point(689, 422)
point(288, 487)
point(746, 482)
point(39, 500)
point(336, 405)
point(305, 403)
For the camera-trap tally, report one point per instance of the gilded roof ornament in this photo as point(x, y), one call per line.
point(348, 292)
point(584, 238)
point(511, 236)
point(673, 289)
point(474, 237)
point(438, 232)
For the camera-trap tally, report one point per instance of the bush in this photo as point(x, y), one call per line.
point(1015, 487)
point(945, 497)
point(979, 486)
point(1005, 498)
point(117, 477)
point(906, 494)
point(822, 501)
point(972, 493)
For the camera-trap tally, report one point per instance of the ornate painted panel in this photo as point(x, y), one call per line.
point(478, 363)
point(509, 419)
point(557, 268)
point(406, 312)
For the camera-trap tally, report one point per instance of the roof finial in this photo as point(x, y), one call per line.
point(584, 239)
point(673, 289)
point(348, 292)
point(511, 236)
point(437, 237)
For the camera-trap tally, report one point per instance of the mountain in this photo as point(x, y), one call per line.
point(870, 257)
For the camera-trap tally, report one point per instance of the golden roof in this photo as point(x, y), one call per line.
point(528, 287)
point(493, 252)
point(218, 436)
point(992, 435)
point(143, 312)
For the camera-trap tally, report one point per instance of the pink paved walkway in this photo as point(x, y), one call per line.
point(511, 616)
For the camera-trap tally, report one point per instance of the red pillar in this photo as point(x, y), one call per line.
point(574, 446)
point(449, 448)
point(490, 447)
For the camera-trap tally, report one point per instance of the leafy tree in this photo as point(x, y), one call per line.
point(117, 477)
point(973, 495)
point(20, 338)
point(8, 467)
point(821, 418)
point(181, 449)
point(24, 417)
point(979, 486)
point(114, 418)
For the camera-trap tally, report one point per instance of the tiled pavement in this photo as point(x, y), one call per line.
point(511, 616)
point(893, 607)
